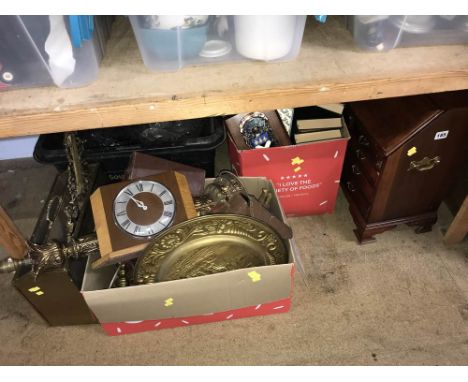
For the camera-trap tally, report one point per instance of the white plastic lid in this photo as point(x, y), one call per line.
point(215, 48)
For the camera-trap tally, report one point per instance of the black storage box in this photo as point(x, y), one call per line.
point(192, 142)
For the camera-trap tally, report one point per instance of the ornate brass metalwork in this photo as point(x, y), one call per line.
point(217, 194)
point(78, 181)
point(10, 265)
point(122, 276)
point(51, 254)
point(424, 164)
point(43, 254)
point(227, 195)
point(82, 247)
point(224, 186)
point(74, 148)
point(203, 204)
point(209, 244)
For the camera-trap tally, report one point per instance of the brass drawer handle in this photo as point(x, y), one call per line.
point(424, 164)
point(355, 170)
point(350, 186)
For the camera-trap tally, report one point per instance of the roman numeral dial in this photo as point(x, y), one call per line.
point(144, 208)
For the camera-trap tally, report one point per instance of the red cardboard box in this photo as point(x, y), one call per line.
point(221, 296)
point(306, 176)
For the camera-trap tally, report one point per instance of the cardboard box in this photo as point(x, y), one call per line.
point(216, 297)
point(306, 176)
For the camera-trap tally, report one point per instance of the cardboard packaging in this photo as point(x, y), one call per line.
point(306, 176)
point(221, 296)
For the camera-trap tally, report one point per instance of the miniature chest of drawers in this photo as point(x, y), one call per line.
point(402, 159)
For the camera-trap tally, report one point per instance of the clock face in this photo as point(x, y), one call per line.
point(144, 208)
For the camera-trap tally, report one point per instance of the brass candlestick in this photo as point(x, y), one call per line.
point(51, 255)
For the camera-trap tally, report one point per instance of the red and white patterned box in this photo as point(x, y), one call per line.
point(129, 327)
point(218, 297)
point(306, 176)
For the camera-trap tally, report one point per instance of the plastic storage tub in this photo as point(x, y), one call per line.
point(381, 33)
point(192, 142)
point(47, 50)
point(171, 42)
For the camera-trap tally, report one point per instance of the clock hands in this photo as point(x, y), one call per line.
point(140, 222)
point(139, 203)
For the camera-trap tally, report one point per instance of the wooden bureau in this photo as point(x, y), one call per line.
point(402, 159)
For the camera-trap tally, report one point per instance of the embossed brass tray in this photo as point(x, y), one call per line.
point(209, 244)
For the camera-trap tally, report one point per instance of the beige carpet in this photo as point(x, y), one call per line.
point(401, 300)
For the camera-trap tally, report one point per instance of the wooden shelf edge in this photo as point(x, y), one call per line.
point(145, 110)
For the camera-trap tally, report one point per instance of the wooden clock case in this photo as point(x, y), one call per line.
point(115, 244)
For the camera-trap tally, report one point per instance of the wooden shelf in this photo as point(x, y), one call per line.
point(329, 69)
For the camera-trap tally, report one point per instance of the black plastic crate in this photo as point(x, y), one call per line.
point(192, 142)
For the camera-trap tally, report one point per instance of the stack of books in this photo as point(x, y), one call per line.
point(318, 123)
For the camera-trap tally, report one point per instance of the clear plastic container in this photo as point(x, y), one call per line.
point(172, 42)
point(47, 50)
point(381, 33)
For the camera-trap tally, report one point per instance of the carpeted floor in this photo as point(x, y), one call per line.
point(402, 300)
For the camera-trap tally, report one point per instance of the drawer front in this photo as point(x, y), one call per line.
point(354, 173)
point(353, 192)
point(364, 151)
point(355, 197)
point(369, 164)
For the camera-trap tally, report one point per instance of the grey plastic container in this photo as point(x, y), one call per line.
point(169, 43)
point(37, 51)
point(382, 33)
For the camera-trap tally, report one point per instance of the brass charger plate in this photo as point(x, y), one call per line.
point(209, 244)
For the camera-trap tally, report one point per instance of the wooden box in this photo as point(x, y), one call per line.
point(402, 159)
